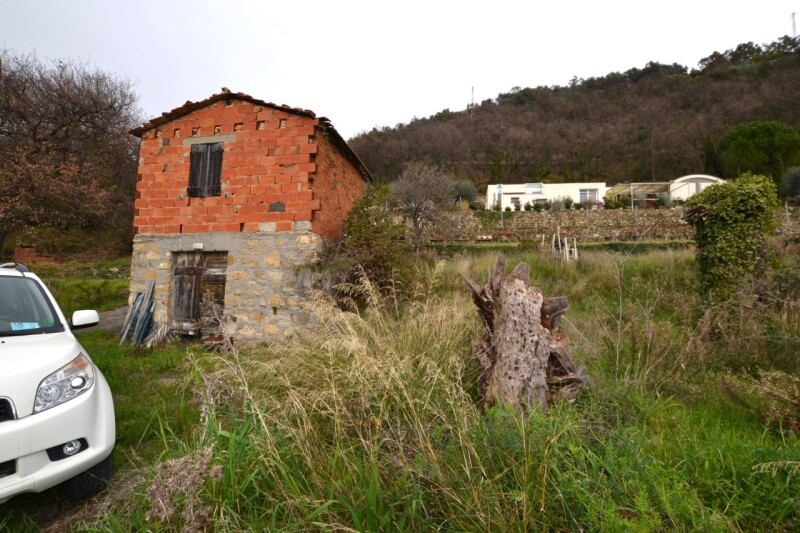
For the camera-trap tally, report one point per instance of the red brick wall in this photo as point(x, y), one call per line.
point(337, 184)
point(270, 160)
point(29, 254)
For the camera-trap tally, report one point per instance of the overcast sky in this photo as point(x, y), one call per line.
point(366, 64)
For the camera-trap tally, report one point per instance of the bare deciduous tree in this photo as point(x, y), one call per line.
point(421, 192)
point(66, 157)
point(43, 191)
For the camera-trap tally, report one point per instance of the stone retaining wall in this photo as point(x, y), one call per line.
point(584, 225)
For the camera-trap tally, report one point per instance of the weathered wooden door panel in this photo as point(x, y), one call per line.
point(187, 275)
point(212, 291)
point(199, 291)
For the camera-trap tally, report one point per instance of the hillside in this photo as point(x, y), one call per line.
point(654, 123)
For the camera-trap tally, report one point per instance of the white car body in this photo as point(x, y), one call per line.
point(26, 360)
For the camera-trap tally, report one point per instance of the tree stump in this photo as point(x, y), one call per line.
point(522, 354)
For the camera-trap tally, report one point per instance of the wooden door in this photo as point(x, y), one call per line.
point(198, 301)
point(187, 275)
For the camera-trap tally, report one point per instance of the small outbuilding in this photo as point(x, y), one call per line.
point(234, 195)
point(647, 193)
point(687, 186)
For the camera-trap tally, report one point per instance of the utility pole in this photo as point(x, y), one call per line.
point(631, 195)
point(794, 26)
point(472, 103)
point(500, 201)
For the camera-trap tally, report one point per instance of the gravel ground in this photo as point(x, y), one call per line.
point(111, 321)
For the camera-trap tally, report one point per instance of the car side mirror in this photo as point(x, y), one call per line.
point(84, 319)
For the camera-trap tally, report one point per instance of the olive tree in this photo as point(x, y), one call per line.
point(465, 190)
point(421, 192)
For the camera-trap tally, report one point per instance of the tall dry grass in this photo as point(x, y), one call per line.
point(372, 424)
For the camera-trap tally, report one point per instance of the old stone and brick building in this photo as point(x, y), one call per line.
point(234, 194)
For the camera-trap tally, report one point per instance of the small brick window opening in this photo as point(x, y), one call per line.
point(282, 123)
point(205, 170)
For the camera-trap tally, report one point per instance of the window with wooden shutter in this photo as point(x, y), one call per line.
point(205, 170)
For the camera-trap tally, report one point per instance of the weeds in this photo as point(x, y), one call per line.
point(373, 425)
point(176, 487)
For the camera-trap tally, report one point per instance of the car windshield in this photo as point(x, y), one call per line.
point(25, 309)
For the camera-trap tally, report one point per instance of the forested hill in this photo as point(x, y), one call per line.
point(654, 123)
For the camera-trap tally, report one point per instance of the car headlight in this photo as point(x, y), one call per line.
point(66, 383)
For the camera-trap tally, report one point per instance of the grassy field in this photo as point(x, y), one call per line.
point(101, 286)
point(690, 421)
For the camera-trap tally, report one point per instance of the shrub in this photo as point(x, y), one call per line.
point(373, 242)
point(465, 190)
point(732, 221)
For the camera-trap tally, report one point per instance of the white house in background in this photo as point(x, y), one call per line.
point(518, 194)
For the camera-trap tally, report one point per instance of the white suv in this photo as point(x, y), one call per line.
point(56, 410)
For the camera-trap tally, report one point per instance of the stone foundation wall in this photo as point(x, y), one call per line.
point(262, 300)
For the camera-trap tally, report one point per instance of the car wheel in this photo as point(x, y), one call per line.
point(90, 482)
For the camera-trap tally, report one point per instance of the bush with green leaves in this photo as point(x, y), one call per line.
point(732, 222)
point(760, 147)
point(374, 241)
point(466, 190)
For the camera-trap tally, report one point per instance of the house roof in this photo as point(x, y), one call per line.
point(639, 189)
point(226, 95)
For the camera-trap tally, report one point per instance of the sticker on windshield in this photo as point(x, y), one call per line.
point(19, 326)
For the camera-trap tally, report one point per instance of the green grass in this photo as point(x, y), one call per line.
point(373, 426)
point(450, 249)
point(102, 286)
point(153, 404)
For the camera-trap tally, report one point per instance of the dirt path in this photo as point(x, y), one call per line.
point(111, 321)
